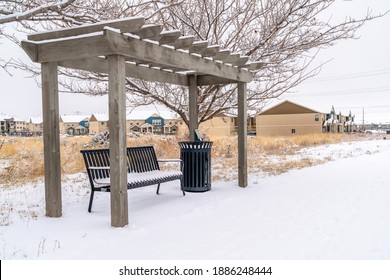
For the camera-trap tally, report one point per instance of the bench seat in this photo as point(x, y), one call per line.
point(142, 170)
point(145, 178)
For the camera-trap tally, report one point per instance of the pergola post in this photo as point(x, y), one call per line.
point(193, 105)
point(51, 139)
point(117, 129)
point(242, 135)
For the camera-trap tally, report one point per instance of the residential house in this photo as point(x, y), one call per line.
point(334, 123)
point(74, 124)
point(221, 125)
point(3, 124)
point(163, 122)
point(20, 126)
point(288, 118)
point(98, 123)
point(226, 124)
point(350, 125)
point(35, 126)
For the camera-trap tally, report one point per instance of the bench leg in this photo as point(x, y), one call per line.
point(90, 201)
point(182, 187)
point(158, 189)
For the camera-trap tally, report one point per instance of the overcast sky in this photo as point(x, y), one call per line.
point(357, 77)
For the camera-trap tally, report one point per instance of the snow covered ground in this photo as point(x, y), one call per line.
point(337, 210)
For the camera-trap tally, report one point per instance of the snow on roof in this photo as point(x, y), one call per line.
point(73, 118)
point(145, 114)
point(146, 125)
point(36, 120)
point(19, 120)
point(331, 120)
point(4, 117)
point(101, 117)
point(234, 113)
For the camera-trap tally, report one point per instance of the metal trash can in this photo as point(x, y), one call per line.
point(196, 157)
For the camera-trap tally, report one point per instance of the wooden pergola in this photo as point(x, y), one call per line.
point(130, 48)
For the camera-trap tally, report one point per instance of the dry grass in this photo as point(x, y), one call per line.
point(24, 156)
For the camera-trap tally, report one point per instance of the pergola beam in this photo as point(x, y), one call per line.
point(222, 54)
point(112, 43)
point(75, 48)
point(211, 51)
point(149, 31)
point(184, 42)
point(253, 66)
point(208, 80)
point(100, 65)
point(130, 25)
point(198, 47)
point(132, 47)
point(167, 37)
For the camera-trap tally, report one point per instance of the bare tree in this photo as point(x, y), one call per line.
point(285, 35)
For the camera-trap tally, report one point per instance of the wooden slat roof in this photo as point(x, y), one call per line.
point(157, 54)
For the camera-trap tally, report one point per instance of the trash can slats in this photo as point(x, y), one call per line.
point(196, 157)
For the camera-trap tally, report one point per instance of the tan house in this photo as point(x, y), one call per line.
point(226, 125)
point(146, 121)
point(223, 125)
point(135, 122)
point(20, 125)
point(98, 123)
point(35, 126)
point(288, 118)
point(74, 124)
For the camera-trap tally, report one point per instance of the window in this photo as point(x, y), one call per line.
point(156, 122)
point(102, 123)
point(316, 117)
point(293, 130)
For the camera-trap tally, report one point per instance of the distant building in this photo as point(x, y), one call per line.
point(20, 126)
point(74, 124)
point(288, 118)
point(350, 125)
point(221, 125)
point(334, 123)
point(35, 126)
point(11, 125)
point(226, 124)
point(98, 123)
point(163, 122)
point(3, 124)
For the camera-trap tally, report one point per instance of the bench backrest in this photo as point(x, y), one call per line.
point(139, 159)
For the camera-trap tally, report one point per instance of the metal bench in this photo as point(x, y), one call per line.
point(142, 167)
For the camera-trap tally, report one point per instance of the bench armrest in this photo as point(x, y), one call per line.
point(178, 160)
point(99, 167)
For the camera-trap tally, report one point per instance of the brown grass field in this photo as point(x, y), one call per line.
point(21, 159)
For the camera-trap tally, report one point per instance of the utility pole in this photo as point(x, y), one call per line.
point(363, 121)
